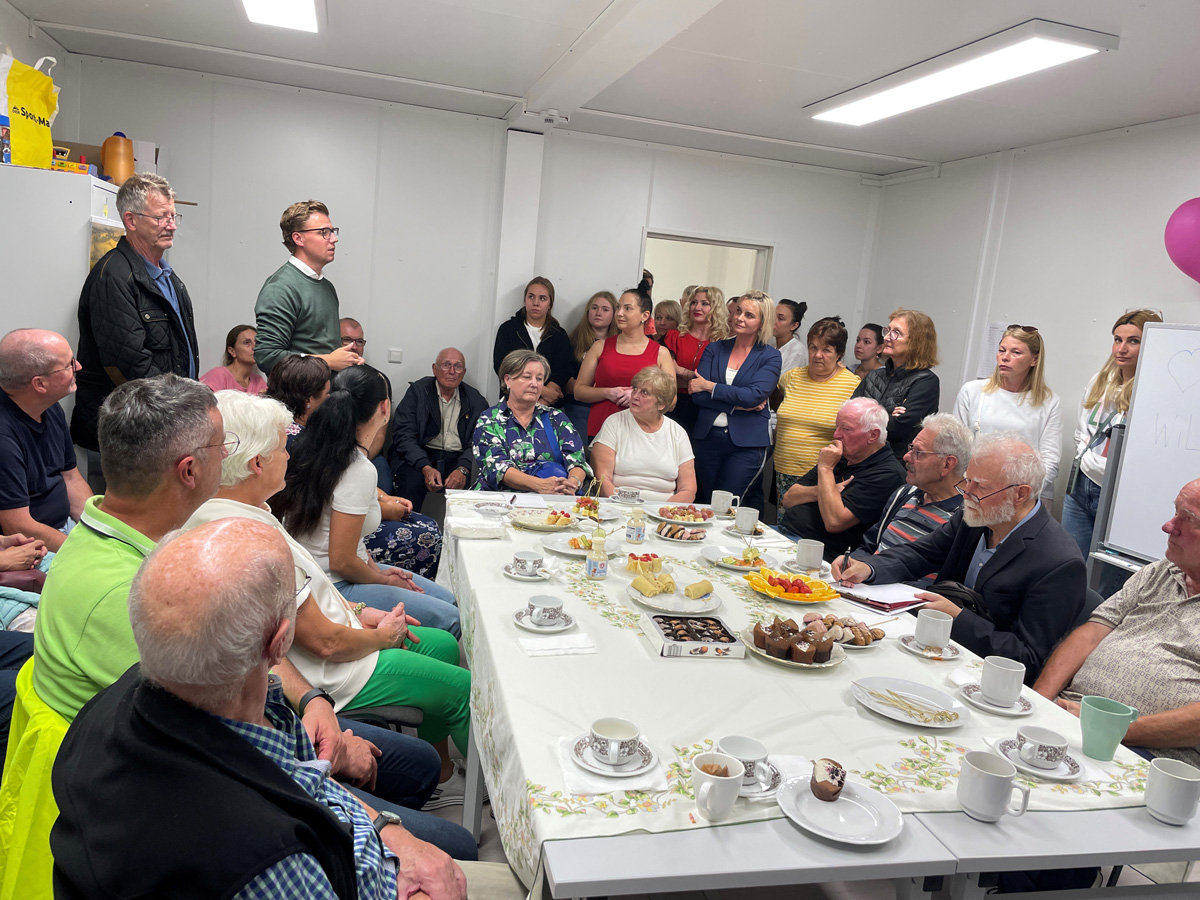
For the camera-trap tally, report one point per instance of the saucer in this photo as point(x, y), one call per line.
point(732, 531)
point(1067, 770)
point(972, 694)
point(909, 643)
point(521, 617)
point(582, 756)
point(615, 499)
point(824, 573)
point(756, 791)
point(541, 575)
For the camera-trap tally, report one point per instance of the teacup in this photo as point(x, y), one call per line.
point(1172, 791)
point(752, 755)
point(614, 741)
point(1001, 680)
point(526, 562)
point(1041, 747)
point(723, 502)
point(628, 494)
point(545, 610)
point(746, 519)
point(985, 786)
point(933, 628)
point(809, 554)
point(716, 794)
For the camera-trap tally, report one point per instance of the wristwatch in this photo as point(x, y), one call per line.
point(312, 695)
point(384, 819)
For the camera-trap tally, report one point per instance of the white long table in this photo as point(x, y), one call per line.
point(521, 706)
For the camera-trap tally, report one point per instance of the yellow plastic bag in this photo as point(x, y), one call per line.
point(30, 102)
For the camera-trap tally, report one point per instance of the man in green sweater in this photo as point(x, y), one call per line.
point(297, 308)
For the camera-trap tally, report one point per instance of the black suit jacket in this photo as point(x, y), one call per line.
point(418, 419)
point(1033, 585)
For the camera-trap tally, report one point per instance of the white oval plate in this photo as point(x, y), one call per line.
point(690, 524)
point(714, 554)
point(663, 537)
point(858, 816)
point(837, 655)
point(911, 690)
point(675, 603)
point(536, 522)
point(557, 543)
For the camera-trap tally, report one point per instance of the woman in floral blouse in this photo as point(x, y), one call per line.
point(522, 446)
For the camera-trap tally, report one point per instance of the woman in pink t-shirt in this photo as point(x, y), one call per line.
point(237, 371)
point(606, 374)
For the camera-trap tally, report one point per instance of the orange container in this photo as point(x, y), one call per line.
point(116, 155)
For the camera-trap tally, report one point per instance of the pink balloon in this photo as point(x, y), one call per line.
point(1182, 237)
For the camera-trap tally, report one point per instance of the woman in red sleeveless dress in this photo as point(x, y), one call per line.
point(606, 374)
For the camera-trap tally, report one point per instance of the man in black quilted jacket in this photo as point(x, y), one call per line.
point(135, 316)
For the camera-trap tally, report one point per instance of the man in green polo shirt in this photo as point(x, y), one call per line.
point(162, 441)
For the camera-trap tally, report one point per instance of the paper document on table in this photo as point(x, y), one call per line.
point(881, 596)
point(528, 501)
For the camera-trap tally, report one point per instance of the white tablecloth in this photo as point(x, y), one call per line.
point(521, 706)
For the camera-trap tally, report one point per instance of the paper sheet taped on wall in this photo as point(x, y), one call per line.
point(989, 343)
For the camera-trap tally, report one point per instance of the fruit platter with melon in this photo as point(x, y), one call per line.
point(790, 588)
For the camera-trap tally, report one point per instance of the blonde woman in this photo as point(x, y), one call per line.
point(667, 316)
point(1105, 404)
point(1016, 398)
point(904, 385)
point(704, 320)
point(596, 324)
point(733, 381)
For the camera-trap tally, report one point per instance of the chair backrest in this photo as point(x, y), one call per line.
point(1091, 601)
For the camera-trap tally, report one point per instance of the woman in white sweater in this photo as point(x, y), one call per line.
point(1016, 398)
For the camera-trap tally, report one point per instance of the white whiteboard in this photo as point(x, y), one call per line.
point(1162, 439)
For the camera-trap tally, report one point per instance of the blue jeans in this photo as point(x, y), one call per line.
point(408, 773)
point(1079, 512)
point(723, 466)
point(15, 648)
point(436, 608)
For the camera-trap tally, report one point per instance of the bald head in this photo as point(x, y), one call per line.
point(29, 353)
point(449, 369)
point(207, 604)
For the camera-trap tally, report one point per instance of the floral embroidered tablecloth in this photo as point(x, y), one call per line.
point(522, 705)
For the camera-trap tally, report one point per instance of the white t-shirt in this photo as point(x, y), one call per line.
point(722, 420)
point(535, 335)
point(795, 354)
point(356, 494)
point(343, 680)
point(1002, 410)
point(649, 462)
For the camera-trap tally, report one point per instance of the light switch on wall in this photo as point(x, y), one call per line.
point(395, 356)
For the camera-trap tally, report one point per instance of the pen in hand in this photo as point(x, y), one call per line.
point(845, 563)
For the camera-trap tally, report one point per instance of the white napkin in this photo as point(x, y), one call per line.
point(564, 645)
point(474, 527)
point(580, 781)
point(792, 766)
point(1091, 772)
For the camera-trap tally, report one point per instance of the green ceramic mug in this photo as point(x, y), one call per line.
point(1104, 723)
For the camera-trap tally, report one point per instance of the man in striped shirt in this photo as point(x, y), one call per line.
point(935, 462)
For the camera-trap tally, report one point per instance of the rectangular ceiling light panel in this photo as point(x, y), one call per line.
point(298, 14)
point(1029, 47)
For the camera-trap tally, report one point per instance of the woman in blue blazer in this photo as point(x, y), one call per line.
point(733, 381)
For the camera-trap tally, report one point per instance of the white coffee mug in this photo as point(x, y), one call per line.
point(716, 794)
point(933, 628)
point(545, 610)
point(752, 755)
point(985, 786)
point(1172, 791)
point(1001, 680)
point(526, 562)
point(723, 501)
point(1041, 747)
point(614, 741)
point(809, 553)
point(746, 519)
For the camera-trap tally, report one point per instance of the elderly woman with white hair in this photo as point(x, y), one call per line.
point(360, 656)
point(641, 448)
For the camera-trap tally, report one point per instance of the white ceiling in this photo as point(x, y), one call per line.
point(725, 75)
